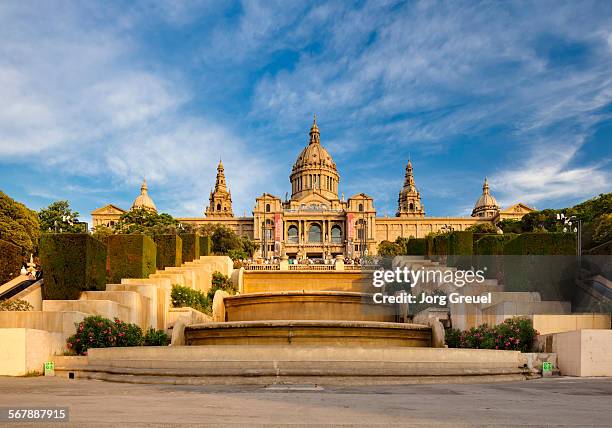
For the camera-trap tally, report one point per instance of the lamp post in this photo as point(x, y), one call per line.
point(572, 224)
point(364, 231)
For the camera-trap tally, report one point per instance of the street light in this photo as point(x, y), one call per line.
point(572, 224)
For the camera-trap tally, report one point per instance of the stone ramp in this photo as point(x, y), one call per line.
point(293, 365)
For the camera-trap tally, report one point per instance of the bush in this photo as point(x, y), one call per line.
point(156, 338)
point(220, 282)
point(10, 261)
point(131, 256)
point(191, 246)
point(188, 297)
point(169, 250)
point(514, 334)
point(99, 332)
point(389, 249)
point(72, 263)
point(15, 305)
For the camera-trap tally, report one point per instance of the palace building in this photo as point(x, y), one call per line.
point(317, 222)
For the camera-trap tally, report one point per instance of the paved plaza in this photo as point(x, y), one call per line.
point(542, 402)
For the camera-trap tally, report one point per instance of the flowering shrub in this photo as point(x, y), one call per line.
point(100, 332)
point(156, 338)
point(220, 282)
point(515, 334)
point(187, 297)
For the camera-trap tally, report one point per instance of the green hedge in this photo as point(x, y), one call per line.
point(169, 250)
point(131, 256)
point(460, 243)
point(205, 245)
point(542, 262)
point(72, 263)
point(546, 243)
point(429, 245)
point(491, 245)
point(416, 247)
point(191, 246)
point(10, 261)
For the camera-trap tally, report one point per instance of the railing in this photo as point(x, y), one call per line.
point(261, 267)
point(312, 267)
point(305, 267)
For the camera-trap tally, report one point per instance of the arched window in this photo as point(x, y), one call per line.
point(314, 233)
point(267, 208)
point(218, 207)
point(411, 206)
point(292, 234)
point(360, 207)
point(336, 235)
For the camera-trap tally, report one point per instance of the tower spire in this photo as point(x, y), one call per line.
point(409, 200)
point(315, 136)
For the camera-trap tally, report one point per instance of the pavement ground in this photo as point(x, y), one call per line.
point(560, 401)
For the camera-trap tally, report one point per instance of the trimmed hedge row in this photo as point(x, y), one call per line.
point(72, 263)
point(542, 244)
point(131, 256)
point(205, 246)
point(169, 250)
point(10, 261)
point(416, 247)
point(191, 246)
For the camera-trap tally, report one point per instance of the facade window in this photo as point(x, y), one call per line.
point(292, 234)
point(360, 207)
point(336, 235)
point(267, 208)
point(314, 233)
point(411, 206)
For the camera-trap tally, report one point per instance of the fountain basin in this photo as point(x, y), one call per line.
point(315, 332)
point(307, 305)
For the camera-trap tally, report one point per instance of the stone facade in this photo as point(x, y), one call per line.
point(317, 222)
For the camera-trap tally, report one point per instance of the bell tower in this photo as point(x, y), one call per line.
point(220, 201)
point(409, 201)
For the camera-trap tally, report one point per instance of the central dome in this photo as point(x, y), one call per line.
point(314, 170)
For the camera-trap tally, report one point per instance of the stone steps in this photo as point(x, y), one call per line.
point(293, 364)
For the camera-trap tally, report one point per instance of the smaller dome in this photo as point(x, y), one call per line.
point(144, 200)
point(486, 202)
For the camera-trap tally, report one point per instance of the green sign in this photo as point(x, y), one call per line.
point(49, 368)
point(547, 366)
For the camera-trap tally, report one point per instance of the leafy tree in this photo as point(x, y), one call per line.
point(592, 209)
point(145, 221)
point(541, 221)
point(59, 217)
point(603, 230)
point(390, 249)
point(482, 228)
point(510, 225)
point(226, 241)
point(403, 243)
point(102, 232)
point(18, 224)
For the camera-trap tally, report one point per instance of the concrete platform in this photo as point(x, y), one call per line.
point(293, 365)
point(324, 333)
point(307, 305)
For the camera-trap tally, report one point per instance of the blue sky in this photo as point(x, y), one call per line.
point(96, 95)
